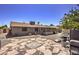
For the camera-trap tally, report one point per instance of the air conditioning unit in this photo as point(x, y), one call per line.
point(32, 22)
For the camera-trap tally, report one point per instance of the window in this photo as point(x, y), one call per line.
point(36, 29)
point(24, 29)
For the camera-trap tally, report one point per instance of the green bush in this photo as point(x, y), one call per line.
point(71, 20)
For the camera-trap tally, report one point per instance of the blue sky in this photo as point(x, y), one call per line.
point(44, 13)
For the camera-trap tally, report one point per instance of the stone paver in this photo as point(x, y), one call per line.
point(34, 46)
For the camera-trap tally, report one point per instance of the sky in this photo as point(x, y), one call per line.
point(44, 13)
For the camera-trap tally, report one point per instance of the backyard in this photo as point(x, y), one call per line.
point(34, 45)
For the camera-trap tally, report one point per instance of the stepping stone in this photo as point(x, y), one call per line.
point(57, 40)
point(32, 39)
point(42, 48)
point(13, 52)
point(30, 52)
point(47, 52)
point(33, 44)
point(56, 50)
point(38, 53)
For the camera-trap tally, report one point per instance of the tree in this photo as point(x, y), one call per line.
point(38, 22)
point(3, 27)
point(70, 19)
point(51, 25)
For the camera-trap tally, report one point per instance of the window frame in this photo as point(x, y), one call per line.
point(24, 28)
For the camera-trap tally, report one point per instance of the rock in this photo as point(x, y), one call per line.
point(62, 48)
point(63, 53)
point(57, 40)
point(48, 42)
point(33, 45)
point(42, 48)
point(41, 42)
point(21, 47)
point(4, 42)
point(23, 43)
point(9, 48)
point(31, 51)
point(38, 53)
point(38, 39)
point(56, 50)
point(47, 47)
point(15, 47)
point(67, 42)
point(26, 54)
point(13, 52)
point(32, 39)
point(21, 50)
point(47, 52)
point(50, 48)
point(28, 41)
point(43, 39)
point(3, 50)
point(4, 53)
point(67, 46)
point(11, 44)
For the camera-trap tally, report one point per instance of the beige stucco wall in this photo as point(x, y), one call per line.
point(18, 31)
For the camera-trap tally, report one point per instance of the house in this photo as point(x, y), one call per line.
point(18, 28)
